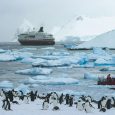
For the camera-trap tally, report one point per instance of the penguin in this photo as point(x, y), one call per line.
point(45, 105)
point(71, 101)
point(108, 104)
point(113, 101)
point(61, 99)
point(21, 96)
point(26, 98)
point(89, 98)
point(67, 99)
point(103, 103)
point(6, 102)
point(80, 104)
point(88, 107)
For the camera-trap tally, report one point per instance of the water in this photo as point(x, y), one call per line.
point(7, 72)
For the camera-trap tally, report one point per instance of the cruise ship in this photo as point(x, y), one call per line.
point(36, 38)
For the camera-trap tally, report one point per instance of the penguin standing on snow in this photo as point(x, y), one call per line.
point(79, 105)
point(88, 107)
point(113, 101)
point(45, 105)
point(6, 102)
point(89, 98)
point(108, 104)
point(26, 98)
point(67, 99)
point(71, 101)
point(61, 99)
point(103, 103)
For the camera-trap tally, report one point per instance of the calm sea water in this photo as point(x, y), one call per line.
point(7, 72)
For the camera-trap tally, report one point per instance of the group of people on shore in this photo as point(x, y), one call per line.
point(83, 103)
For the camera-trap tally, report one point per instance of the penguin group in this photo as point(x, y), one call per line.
point(54, 100)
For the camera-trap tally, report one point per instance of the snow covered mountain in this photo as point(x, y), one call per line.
point(84, 26)
point(104, 40)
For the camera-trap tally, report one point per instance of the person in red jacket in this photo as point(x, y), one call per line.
point(109, 78)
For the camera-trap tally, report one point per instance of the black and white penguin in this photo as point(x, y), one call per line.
point(89, 98)
point(45, 105)
point(103, 104)
point(112, 101)
point(61, 98)
point(108, 104)
point(67, 99)
point(71, 100)
point(80, 105)
point(88, 106)
point(6, 102)
point(26, 98)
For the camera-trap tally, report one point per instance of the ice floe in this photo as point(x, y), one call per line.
point(52, 81)
point(2, 51)
point(91, 76)
point(34, 71)
point(6, 57)
point(6, 84)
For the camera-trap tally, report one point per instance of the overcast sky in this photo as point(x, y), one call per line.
point(48, 12)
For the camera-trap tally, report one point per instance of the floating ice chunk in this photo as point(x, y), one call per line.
point(91, 76)
point(52, 81)
point(28, 60)
point(34, 71)
point(6, 84)
point(87, 65)
point(28, 49)
point(2, 51)
point(104, 61)
point(23, 88)
point(108, 69)
point(50, 57)
point(113, 58)
point(59, 81)
point(99, 51)
point(52, 63)
point(61, 53)
point(21, 55)
point(40, 77)
point(70, 46)
point(111, 68)
point(7, 57)
point(49, 48)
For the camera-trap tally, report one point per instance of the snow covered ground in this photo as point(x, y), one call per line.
point(35, 108)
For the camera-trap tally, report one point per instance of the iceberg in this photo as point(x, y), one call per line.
point(50, 57)
point(51, 63)
point(91, 76)
point(104, 61)
point(6, 57)
point(108, 69)
point(49, 48)
point(40, 77)
point(2, 51)
point(34, 71)
point(99, 51)
point(6, 84)
point(28, 49)
point(27, 60)
point(52, 81)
